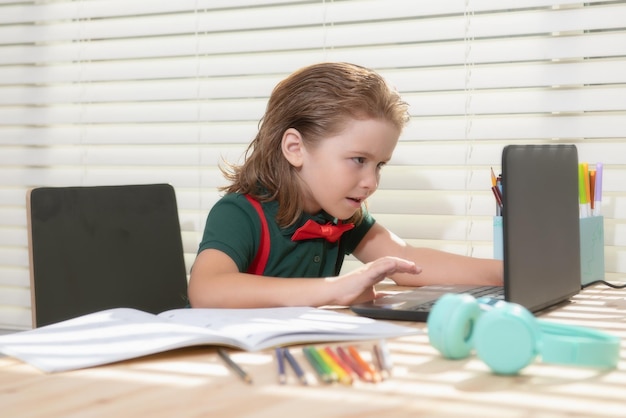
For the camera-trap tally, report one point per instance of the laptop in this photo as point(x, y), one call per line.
point(541, 238)
point(101, 247)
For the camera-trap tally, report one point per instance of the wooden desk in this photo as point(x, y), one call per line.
point(195, 382)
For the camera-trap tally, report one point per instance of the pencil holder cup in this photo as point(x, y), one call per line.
point(591, 249)
point(498, 242)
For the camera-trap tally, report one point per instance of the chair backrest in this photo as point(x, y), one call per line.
point(95, 248)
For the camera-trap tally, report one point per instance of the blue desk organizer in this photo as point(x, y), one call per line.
point(498, 238)
point(591, 246)
point(592, 249)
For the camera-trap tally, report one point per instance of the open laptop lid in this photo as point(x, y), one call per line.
point(94, 248)
point(541, 224)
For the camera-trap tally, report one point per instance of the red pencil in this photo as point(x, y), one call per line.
point(363, 374)
point(496, 193)
point(341, 363)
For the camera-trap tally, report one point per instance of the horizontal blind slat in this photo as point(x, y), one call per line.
point(191, 89)
point(171, 155)
point(518, 128)
point(529, 127)
point(346, 24)
point(114, 8)
point(191, 71)
point(239, 110)
point(409, 154)
point(154, 133)
point(228, 58)
point(613, 72)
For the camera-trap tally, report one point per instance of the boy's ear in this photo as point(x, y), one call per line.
point(293, 147)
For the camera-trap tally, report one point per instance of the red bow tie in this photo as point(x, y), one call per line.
point(312, 229)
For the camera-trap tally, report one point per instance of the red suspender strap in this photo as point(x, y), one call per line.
point(260, 260)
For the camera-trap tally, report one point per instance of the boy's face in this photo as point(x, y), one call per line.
point(341, 171)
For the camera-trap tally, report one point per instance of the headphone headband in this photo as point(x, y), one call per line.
point(574, 345)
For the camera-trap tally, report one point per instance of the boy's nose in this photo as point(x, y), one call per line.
point(370, 181)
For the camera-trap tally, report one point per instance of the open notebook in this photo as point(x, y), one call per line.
point(541, 238)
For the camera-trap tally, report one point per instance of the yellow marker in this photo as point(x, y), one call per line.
point(583, 199)
point(587, 185)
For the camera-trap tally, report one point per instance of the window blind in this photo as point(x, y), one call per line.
point(99, 92)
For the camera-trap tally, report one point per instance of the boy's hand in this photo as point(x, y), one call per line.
point(358, 286)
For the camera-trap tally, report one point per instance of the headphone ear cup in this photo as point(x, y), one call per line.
point(451, 324)
point(507, 338)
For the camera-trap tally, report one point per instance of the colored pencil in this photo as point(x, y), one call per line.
point(341, 363)
point(375, 376)
point(341, 373)
point(383, 361)
point(363, 374)
point(295, 366)
point(280, 359)
point(310, 354)
point(234, 366)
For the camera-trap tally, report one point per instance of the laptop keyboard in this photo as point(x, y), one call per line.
point(496, 292)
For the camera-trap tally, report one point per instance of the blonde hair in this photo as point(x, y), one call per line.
point(317, 101)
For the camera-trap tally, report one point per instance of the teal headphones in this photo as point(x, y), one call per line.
point(507, 337)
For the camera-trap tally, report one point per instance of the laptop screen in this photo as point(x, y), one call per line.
point(541, 224)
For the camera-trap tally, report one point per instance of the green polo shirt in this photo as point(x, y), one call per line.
point(233, 227)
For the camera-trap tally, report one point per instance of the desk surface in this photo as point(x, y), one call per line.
point(196, 382)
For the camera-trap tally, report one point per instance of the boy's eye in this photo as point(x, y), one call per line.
point(359, 160)
point(381, 165)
